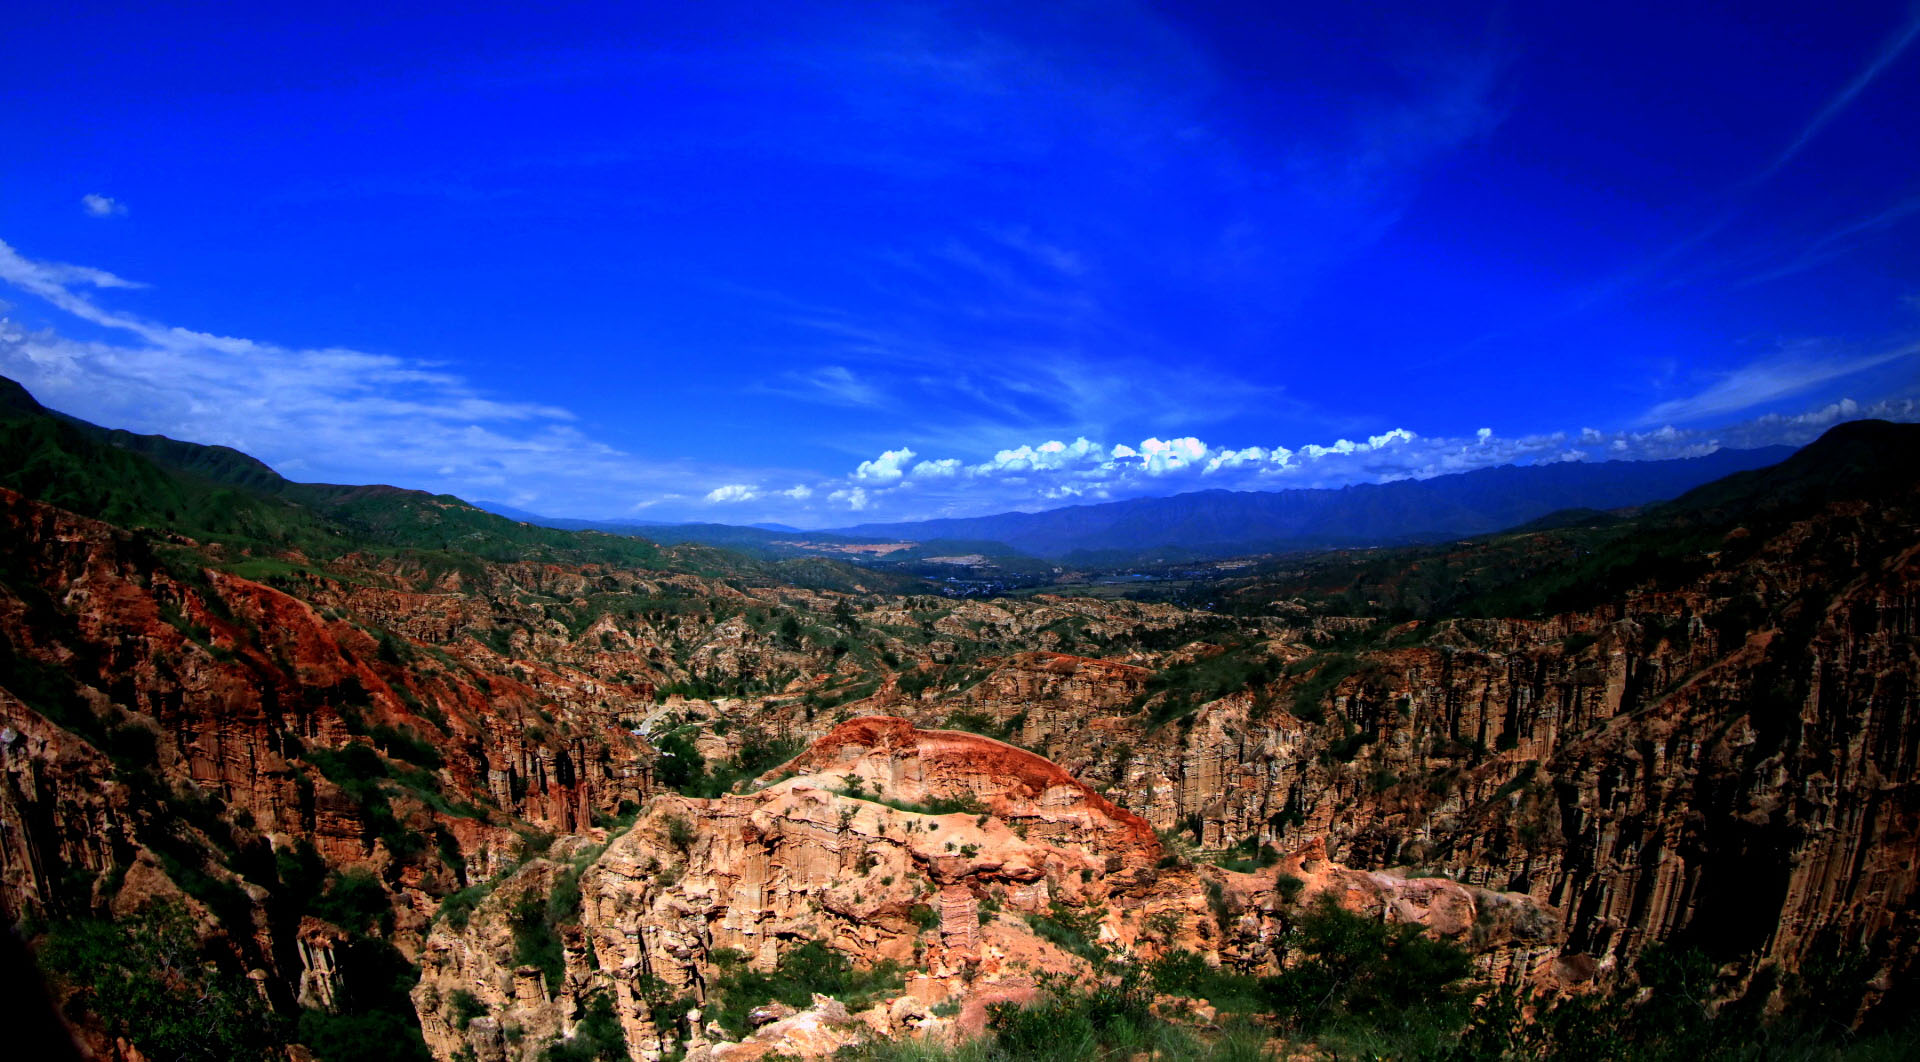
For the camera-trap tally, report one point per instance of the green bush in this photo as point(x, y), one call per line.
point(355, 901)
point(804, 970)
point(597, 1038)
point(1356, 969)
point(465, 1007)
point(962, 805)
point(406, 745)
point(147, 980)
point(358, 770)
point(457, 907)
point(374, 1020)
point(1071, 931)
point(535, 940)
point(1329, 672)
point(380, 1036)
point(1247, 856)
point(759, 753)
point(1184, 687)
point(1183, 973)
point(1110, 1020)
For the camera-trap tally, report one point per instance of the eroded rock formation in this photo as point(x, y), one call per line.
point(946, 853)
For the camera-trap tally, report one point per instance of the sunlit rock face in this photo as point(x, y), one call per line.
point(1726, 761)
point(890, 843)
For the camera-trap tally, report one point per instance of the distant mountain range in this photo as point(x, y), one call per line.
point(1219, 523)
point(1222, 523)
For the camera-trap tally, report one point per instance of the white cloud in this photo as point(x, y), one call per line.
point(1235, 458)
point(349, 416)
point(945, 468)
point(1048, 456)
point(855, 497)
point(1036, 476)
point(326, 413)
point(1768, 380)
point(51, 280)
point(1158, 458)
point(834, 385)
point(101, 206)
point(886, 468)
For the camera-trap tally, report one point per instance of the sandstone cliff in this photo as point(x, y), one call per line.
point(975, 865)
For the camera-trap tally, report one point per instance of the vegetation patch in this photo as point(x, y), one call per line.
point(1075, 932)
point(147, 980)
point(1180, 690)
point(681, 767)
point(810, 968)
point(1327, 672)
point(596, 1038)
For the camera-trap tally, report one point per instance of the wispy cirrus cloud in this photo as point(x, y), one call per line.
point(1062, 312)
point(1736, 199)
point(1837, 242)
point(1889, 54)
point(830, 384)
point(328, 413)
point(347, 415)
point(1771, 379)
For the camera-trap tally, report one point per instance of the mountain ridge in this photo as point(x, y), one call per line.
point(1222, 522)
point(412, 788)
point(1211, 524)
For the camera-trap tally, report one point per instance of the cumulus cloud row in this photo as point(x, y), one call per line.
point(1056, 471)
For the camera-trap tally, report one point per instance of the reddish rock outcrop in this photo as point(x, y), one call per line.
point(856, 846)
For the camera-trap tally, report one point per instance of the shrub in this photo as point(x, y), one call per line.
point(1071, 931)
point(356, 902)
point(680, 833)
point(1112, 1019)
point(465, 1007)
point(457, 907)
point(804, 970)
point(1309, 696)
point(1289, 885)
point(597, 1037)
point(406, 745)
point(679, 765)
point(535, 941)
point(1183, 973)
point(145, 979)
point(1353, 967)
point(1184, 687)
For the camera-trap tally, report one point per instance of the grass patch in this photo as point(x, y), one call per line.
point(1180, 690)
point(1075, 932)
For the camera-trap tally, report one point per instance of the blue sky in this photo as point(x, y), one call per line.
point(829, 264)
